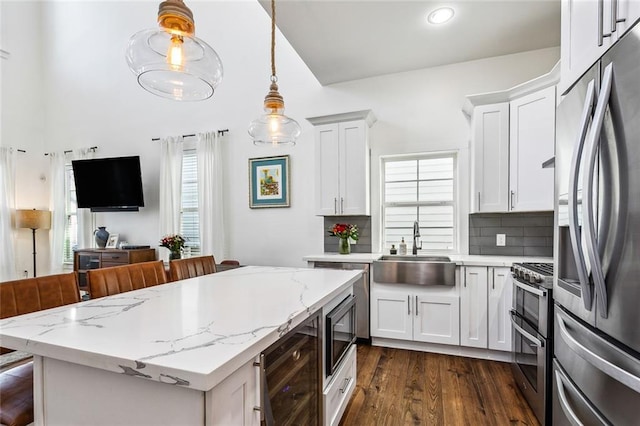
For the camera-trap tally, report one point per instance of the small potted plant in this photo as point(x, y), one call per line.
point(175, 244)
point(344, 231)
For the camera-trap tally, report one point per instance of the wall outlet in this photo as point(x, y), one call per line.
point(501, 240)
point(352, 241)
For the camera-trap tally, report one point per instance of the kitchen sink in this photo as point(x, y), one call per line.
point(415, 270)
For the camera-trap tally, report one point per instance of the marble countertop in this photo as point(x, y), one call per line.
point(192, 332)
point(459, 259)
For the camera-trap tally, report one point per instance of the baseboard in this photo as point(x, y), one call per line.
point(443, 349)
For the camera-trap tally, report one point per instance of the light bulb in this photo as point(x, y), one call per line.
point(175, 56)
point(274, 125)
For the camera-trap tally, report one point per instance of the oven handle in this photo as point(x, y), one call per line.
point(574, 231)
point(610, 369)
point(525, 333)
point(529, 289)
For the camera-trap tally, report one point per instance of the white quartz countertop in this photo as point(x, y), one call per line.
point(459, 259)
point(192, 332)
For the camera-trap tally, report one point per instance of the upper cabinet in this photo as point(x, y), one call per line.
point(513, 134)
point(588, 29)
point(342, 163)
point(532, 126)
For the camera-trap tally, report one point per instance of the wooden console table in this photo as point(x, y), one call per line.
point(85, 259)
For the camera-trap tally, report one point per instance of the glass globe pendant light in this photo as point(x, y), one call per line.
point(274, 128)
point(170, 61)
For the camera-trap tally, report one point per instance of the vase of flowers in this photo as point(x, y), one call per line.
point(344, 231)
point(175, 244)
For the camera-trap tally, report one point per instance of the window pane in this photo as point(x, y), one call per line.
point(399, 192)
point(189, 219)
point(425, 188)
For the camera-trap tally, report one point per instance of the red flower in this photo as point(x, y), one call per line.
point(345, 230)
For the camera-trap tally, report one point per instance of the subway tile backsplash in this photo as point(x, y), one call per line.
point(364, 229)
point(527, 234)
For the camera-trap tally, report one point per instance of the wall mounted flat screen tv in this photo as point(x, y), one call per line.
point(108, 184)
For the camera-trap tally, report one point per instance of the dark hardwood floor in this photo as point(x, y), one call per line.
point(401, 387)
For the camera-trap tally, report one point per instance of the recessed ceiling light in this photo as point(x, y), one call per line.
point(440, 15)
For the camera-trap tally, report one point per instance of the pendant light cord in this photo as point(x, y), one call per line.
point(273, 41)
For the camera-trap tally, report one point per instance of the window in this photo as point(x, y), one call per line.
point(189, 219)
point(71, 215)
point(422, 188)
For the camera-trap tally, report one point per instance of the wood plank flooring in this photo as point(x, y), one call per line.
point(401, 387)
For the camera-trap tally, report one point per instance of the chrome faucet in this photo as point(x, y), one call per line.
point(416, 235)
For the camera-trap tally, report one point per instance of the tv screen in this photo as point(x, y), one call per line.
point(108, 184)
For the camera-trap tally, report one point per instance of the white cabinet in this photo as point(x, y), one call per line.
point(413, 313)
point(473, 307)
point(490, 157)
point(588, 31)
point(342, 163)
point(500, 300)
point(531, 142)
point(337, 394)
point(232, 402)
point(510, 141)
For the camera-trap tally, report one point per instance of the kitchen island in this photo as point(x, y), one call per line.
point(180, 353)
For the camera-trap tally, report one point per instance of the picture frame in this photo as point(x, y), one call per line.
point(269, 182)
point(112, 242)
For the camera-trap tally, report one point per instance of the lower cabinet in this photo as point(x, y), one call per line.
point(232, 402)
point(500, 302)
point(338, 392)
point(414, 313)
point(485, 301)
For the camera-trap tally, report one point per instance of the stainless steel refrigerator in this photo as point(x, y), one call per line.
point(596, 372)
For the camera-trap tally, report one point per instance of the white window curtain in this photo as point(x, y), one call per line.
point(170, 184)
point(210, 195)
point(7, 206)
point(85, 218)
point(58, 208)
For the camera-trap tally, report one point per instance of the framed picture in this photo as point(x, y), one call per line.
point(269, 182)
point(112, 242)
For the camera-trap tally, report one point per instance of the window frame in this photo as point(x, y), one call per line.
point(454, 203)
point(189, 150)
point(70, 211)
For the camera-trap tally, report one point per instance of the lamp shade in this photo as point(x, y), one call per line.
point(33, 219)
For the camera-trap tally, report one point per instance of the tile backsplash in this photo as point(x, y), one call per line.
point(364, 230)
point(527, 234)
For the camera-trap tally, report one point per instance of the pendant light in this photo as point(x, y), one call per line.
point(274, 128)
point(170, 61)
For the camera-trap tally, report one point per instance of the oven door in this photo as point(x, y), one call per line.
point(530, 364)
point(533, 304)
point(340, 332)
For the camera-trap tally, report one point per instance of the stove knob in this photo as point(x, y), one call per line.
point(527, 277)
point(538, 279)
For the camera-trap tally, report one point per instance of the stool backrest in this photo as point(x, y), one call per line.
point(36, 294)
point(182, 269)
point(119, 279)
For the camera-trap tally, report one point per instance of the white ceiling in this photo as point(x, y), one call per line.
point(353, 39)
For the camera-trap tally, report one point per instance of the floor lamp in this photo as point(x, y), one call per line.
point(33, 219)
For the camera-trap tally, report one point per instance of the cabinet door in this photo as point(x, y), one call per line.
point(473, 307)
point(500, 301)
point(327, 169)
point(232, 401)
point(532, 141)
point(579, 37)
point(354, 168)
point(629, 10)
point(391, 314)
point(436, 319)
point(490, 158)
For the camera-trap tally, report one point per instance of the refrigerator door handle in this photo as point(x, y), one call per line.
point(587, 190)
point(561, 383)
point(574, 231)
point(607, 367)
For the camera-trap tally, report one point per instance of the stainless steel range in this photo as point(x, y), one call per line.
point(531, 318)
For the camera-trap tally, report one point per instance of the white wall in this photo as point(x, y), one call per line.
point(89, 97)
